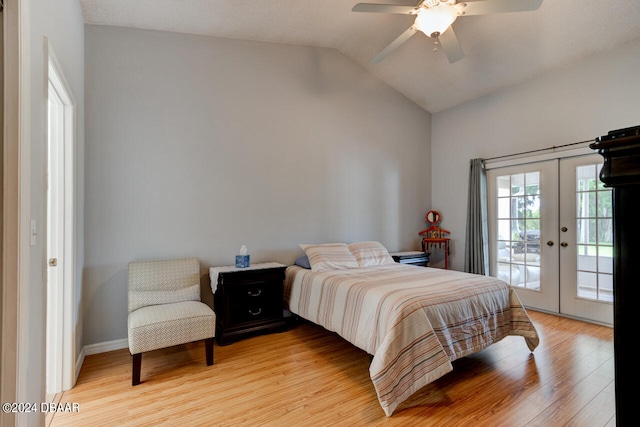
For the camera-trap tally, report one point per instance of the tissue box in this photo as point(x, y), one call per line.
point(242, 261)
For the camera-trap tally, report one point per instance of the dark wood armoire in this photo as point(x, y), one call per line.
point(621, 171)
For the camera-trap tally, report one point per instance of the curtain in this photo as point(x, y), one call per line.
point(476, 242)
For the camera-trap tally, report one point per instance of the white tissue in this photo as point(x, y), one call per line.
point(243, 250)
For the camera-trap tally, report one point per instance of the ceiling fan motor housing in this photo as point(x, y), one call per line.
point(435, 16)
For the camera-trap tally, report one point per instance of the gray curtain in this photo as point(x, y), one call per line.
point(476, 247)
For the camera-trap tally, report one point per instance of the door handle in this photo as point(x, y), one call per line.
point(53, 262)
point(550, 243)
point(564, 244)
point(564, 229)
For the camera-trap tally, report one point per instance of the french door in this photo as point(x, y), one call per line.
point(550, 229)
point(586, 240)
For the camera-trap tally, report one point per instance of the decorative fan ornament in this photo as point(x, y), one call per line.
point(435, 17)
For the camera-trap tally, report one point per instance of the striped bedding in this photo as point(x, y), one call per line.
point(414, 320)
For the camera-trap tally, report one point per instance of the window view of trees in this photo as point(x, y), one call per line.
point(594, 208)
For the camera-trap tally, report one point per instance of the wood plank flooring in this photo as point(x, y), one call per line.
point(310, 377)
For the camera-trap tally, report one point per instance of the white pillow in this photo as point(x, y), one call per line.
point(329, 256)
point(370, 254)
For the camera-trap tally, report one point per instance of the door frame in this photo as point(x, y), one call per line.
point(15, 219)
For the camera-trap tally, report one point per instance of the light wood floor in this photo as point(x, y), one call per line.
point(310, 377)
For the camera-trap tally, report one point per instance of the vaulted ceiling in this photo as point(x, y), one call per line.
point(500, 49)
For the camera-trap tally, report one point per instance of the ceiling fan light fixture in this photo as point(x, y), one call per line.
point(434, 21)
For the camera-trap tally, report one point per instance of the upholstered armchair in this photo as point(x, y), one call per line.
point(165, 308)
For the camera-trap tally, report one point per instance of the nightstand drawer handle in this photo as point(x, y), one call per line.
point(255, 313)
point(254, 293)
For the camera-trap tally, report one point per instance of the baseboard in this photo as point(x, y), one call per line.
point(79, 363)
point(95, 349)
point(106, 346)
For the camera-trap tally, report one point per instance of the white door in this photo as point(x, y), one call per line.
point(60, 236)
point(551, 235)
point(523, 229)
point(586, 241)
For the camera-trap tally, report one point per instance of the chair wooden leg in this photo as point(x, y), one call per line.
point(137, 364)
point(208, 346)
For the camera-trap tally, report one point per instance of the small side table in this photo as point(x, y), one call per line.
point(247, 300)
point(411, 257)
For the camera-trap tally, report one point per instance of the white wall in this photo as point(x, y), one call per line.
point(198, 145)
point(577, 103)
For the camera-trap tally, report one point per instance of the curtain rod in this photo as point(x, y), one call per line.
point(539, 150)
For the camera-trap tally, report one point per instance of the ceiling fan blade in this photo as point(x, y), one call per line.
point(384, 8)
point(449, 43)
point(499, 6)
point(394, 44)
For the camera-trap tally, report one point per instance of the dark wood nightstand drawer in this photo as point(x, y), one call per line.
point(255, 302)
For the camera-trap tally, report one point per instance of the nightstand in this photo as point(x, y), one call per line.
point(247, 300)
point(411, 257)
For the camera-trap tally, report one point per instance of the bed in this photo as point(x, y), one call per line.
point(414, 320)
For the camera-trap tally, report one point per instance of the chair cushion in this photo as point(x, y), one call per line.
point(166, 325)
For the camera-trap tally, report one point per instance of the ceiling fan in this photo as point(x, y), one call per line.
point(434, 18)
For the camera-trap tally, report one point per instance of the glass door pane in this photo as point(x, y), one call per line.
point(594, 224)
point(518, 226)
